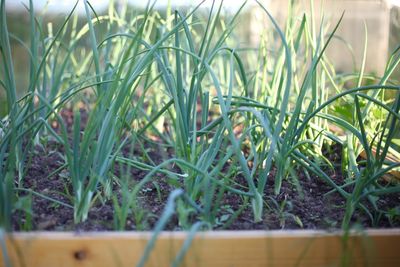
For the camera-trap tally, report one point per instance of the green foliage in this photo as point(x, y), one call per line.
point(181, 84)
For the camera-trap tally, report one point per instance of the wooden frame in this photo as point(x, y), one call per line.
point(208, 249)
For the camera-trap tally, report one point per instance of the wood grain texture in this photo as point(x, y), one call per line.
point(209, 249)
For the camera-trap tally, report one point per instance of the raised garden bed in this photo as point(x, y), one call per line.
point(161, 124)
point(208, 249)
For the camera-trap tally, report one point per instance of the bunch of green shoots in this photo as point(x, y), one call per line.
point(184, 81)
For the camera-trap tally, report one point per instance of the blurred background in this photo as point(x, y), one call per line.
point(381, 18)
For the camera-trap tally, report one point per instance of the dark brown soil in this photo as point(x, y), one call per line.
point(308, 209)
point(306, 205)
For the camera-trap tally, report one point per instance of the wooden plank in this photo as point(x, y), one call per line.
point(394, 174)
point(209, 249)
